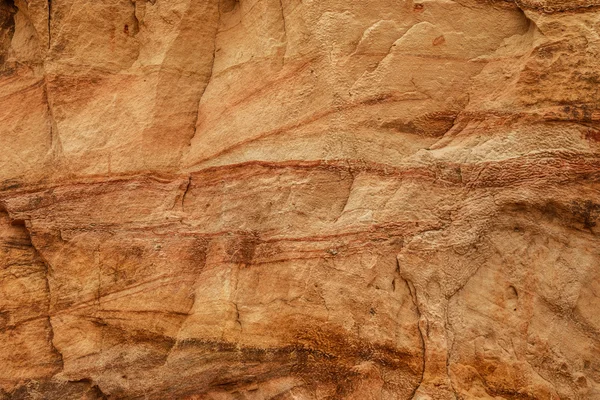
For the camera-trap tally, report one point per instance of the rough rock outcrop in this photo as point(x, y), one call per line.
point(300, 199)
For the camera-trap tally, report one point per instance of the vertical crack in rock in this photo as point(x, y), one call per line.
point(47, 271)
point(210, 76)
point(180, 197)
point(98, 267)
point(237, 316)
point(188, 313)
point(185, 192)
point(136, 22)
point(285, 38)
point(176, 340)
point(49, 23)
point(55, 141)
point(51, 338)
point(350, 187)
point(190, 309)
point(235, 277)
point(413, 296)
point(52, 345)
point(449, 353)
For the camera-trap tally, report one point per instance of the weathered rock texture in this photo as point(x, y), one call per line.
point(300, 199)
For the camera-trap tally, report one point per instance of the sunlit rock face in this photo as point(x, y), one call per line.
point(300, 199)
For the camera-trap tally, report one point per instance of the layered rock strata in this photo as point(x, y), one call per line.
point(298, 199)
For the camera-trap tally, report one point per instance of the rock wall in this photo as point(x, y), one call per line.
point(300, 199)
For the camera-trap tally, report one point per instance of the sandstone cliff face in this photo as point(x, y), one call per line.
point(300, 199)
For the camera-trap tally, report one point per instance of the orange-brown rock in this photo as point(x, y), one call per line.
point(300, 199)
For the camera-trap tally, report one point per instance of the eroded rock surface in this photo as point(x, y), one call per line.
point(300, 199)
